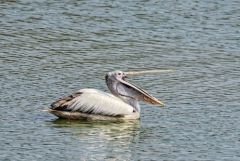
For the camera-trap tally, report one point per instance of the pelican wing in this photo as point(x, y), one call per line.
point(92, 101)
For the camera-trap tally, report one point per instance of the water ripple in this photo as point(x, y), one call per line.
point(52, 48)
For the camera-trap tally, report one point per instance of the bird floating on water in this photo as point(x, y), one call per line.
point(93, 104)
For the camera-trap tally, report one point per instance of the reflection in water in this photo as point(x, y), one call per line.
point(102, 136)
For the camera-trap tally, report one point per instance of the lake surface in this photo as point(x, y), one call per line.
point(49, 49)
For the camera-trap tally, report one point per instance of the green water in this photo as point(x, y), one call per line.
point(52, 48)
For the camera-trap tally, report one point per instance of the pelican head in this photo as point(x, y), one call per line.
point(128, 92)
point(115, 75)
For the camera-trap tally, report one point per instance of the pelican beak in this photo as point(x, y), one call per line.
point(133, 73)
point(140, 93)
point(144, 95)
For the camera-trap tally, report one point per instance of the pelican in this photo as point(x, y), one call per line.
point(93, 104)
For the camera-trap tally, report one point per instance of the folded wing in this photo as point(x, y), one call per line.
point(92, 101)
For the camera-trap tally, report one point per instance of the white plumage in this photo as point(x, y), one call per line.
point(98, 102)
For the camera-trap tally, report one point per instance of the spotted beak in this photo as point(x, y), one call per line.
point(136, 92)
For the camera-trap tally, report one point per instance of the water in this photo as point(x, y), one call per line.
point(52, 48)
